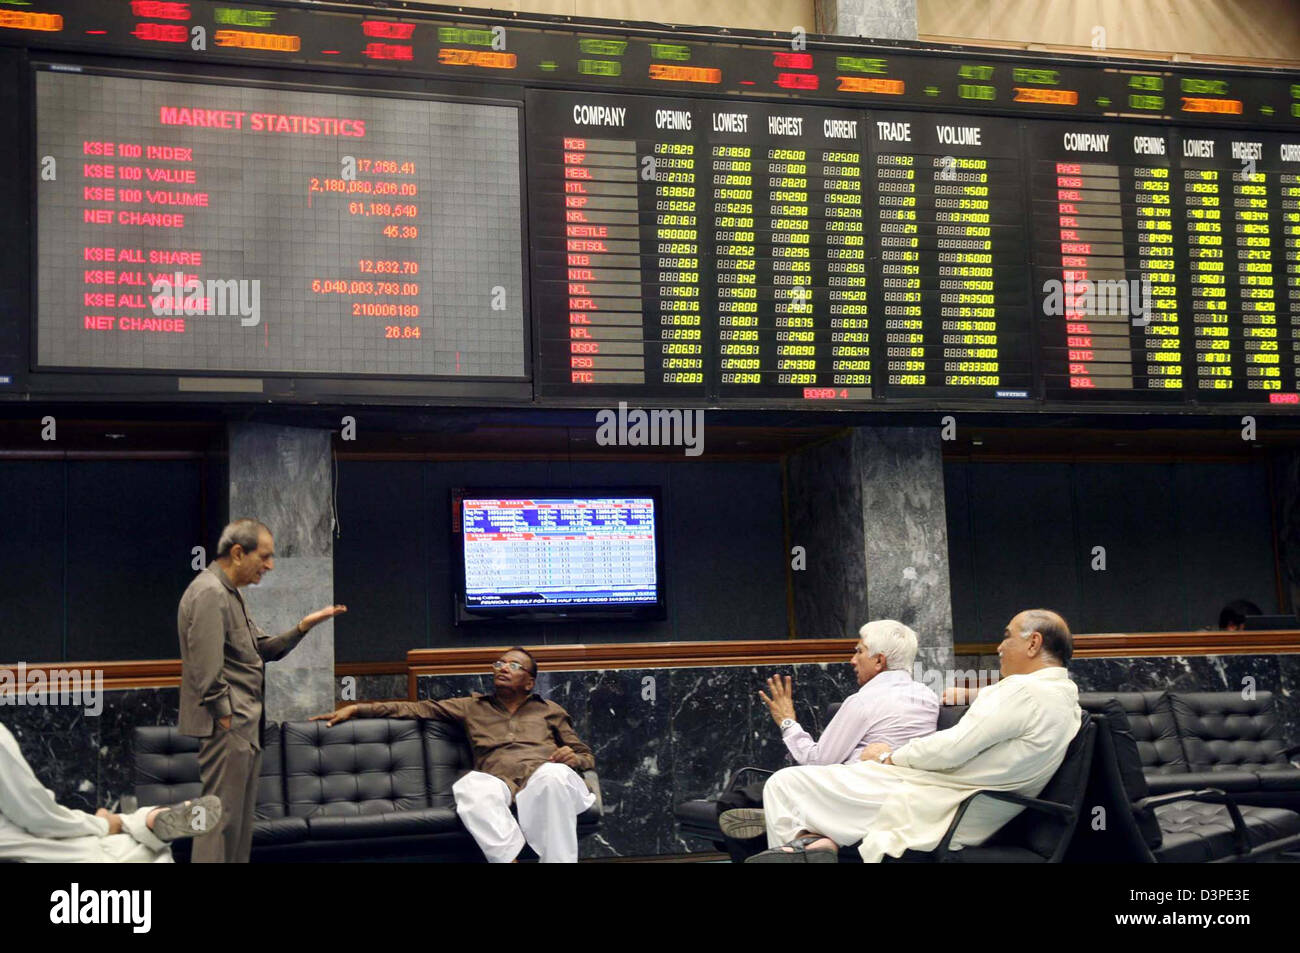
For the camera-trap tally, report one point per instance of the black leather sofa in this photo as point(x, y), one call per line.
point(1191, 820)
point(372, 789)
point(1193, 740)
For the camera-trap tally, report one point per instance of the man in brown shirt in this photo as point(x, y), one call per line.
point(222, 656)
point(525, 750)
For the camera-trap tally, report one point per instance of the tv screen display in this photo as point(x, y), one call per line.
point(559, 554)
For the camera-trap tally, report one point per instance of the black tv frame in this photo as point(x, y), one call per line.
point(533, 614)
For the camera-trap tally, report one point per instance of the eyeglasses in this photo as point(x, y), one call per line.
point(501, 664)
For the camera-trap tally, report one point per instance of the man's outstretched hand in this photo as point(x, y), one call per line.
point(343, 714)
point(781, 704)
point(309, 622)
point(565, 755)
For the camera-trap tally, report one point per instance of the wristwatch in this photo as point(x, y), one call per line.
point(788, 723)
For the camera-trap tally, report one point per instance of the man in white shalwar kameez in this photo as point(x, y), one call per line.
point(1013, 738)
point(37, 829)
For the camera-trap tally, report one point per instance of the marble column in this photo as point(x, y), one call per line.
point(877, 19)
point(868, 509)
point(282, 476)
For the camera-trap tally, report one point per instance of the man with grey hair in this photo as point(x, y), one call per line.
point(222, 664)
point(888, 707)
point(1013, 738)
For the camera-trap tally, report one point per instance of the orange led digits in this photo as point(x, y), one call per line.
point(454, 57)
point(864, 84)
point(685, 74)
point(281, 42)
point(1051, 97)
point(40, 22)
point(1196, 104)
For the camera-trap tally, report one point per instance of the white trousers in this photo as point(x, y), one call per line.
point(548, 807)
point(839, 801)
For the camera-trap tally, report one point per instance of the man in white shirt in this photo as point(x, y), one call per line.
point(36, 829)
point(894, 799)
point(888, 707)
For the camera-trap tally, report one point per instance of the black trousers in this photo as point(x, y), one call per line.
point(746, 795)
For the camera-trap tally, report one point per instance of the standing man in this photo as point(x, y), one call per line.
point(525, 750)
point(222, 677)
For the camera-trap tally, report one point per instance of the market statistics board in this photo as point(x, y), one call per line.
point(199, 227)
point(782, 253)
point(699, 249)
point(1168, 263)
point(950, 246)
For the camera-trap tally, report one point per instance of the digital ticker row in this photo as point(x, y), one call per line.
point(733, 250)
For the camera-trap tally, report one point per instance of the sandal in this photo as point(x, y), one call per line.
point(797, 852)
point(188, 819)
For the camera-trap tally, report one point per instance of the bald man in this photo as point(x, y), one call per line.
point(1013, 738)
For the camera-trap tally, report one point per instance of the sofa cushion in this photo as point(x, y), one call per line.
point(166, 765)
point(279, 831)
point(1151, 722)
point(1234, 782)
point(270, 782)
point(359, 767)
point(1222, 731)
point(408, 823)
point(447, 758)
point(1195, 832)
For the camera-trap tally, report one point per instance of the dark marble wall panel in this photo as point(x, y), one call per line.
point(123, 713)
point(371, 688)
point(1288, 668)
point(84, 759)
point(61, 743)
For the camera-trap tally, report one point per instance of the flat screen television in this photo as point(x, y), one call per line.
point(558, 554)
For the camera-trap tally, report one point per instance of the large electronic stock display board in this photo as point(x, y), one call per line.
point(594, 211)
point(316, 233)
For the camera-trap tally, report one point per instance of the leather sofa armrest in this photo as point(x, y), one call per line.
point(593, 785)
point(1242, 780)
